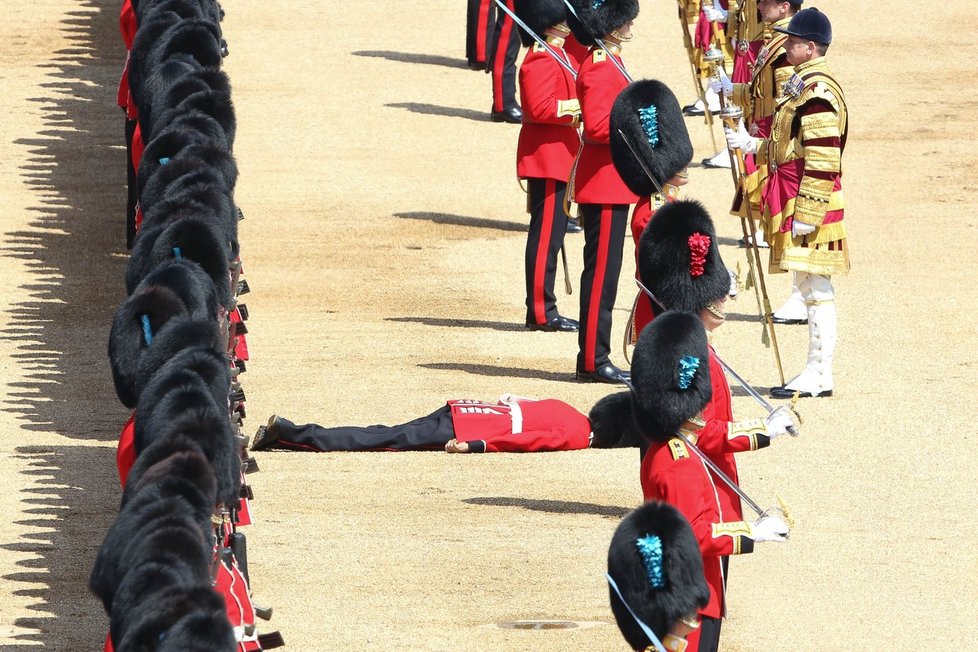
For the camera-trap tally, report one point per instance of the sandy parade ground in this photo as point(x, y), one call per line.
point(383, 243)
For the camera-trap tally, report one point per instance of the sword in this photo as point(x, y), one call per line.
point(740, 381)
point(569, 68)
point(567, 281)
point(641, 163)
point(618, 64)
point(720, 474)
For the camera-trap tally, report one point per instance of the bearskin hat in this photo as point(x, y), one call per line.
point(539, 15)
point(611, 422)
point(648, 113)
point(187, 238)
point(176, 289)
point(595, 18)
point(670, 374)
point(655, 561)
point(678, 258)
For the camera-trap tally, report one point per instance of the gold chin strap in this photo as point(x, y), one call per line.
point(716, 313)
point(624, 39)
point(562, 28)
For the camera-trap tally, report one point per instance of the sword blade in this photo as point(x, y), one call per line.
point(601, 45)
point(569, 68)
point(723, 476)
point(740, 381)
point(645, 169)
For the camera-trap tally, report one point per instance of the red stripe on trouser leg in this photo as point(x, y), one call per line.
point(482, 31)
point(499, 58)
point(597, 283)
point(543, 248)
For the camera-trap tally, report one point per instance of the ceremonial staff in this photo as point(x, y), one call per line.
point(731, 116)
point(764, 403)
point(714, 56)
point(746, 386)
point(700, 94)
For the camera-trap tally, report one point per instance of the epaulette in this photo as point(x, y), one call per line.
point(598, 56)
point(823, 91)
point(678, 449)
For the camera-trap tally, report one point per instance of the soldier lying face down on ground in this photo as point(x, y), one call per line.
point(513, 424)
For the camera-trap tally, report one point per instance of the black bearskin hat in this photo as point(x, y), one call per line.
point(670, 374)
point(595, 18)
point(678, 258)
point(611, 422)
point(538, 16)
point(174, 289)
point(656, 563)
point(648, 113)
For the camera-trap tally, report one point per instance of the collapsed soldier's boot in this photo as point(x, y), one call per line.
point(794, 310)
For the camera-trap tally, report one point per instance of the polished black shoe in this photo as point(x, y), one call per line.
point(477, 65)
point(267, 435)
point(512, 115)
point(784, 392)
point(608, 373)
point(558, 323)
point(573, 226)
point(693, 111)
point(788, 322)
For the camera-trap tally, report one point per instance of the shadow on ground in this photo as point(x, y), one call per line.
point(446, 111)
point(502, 372)
point(463, 220)
point(414, 57)
point(73, 251)
point(550, 506)
point(460, 323)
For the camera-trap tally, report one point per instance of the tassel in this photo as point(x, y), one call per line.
point(749, 283)
point(788, 518)
point(765, 337)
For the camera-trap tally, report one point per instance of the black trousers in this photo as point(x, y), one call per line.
point(131, 185)
point(479, 21)
point(501, 60)
point(548, 224)
point(709, 634)
point(430, 432)
point(604, 241)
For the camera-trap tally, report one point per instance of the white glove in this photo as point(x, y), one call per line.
point(799, 228)
point(770, 528)
point(778, 422)
point(723, 83)
point(734, 286)
point(740, 139)
point(721, 13)
point(715, 15)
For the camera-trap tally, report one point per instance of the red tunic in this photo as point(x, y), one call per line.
point(674, 474)
point(520, 425)
point(548, 141)
point(714, 440)
point(641, 216)
point(576, 51)
point(127, 27)
point(596, 180)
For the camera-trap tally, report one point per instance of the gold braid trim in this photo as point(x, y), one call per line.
point(750, 429)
